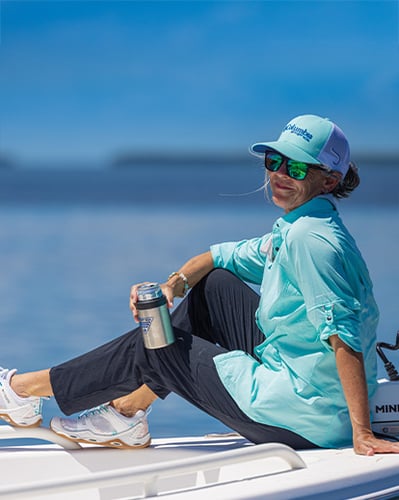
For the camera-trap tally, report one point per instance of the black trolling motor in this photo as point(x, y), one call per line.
point(385, 403)
point(389, 367)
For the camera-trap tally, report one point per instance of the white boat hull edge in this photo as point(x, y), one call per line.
point(189, 468)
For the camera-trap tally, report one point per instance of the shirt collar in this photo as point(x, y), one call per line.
point(324, 203)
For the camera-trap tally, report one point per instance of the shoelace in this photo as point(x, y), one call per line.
point(102, 409)
point(92, 411)
point(38, 406)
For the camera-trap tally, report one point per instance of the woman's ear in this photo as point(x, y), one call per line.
point(330, 182)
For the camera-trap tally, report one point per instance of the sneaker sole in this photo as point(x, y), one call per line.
point(112, 443)
point(9, 420)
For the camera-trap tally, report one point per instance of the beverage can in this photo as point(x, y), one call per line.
point(154, 316)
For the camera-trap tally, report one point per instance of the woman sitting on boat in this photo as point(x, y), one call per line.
point(295, 365)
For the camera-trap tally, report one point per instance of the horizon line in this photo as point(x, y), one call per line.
point(137, 158)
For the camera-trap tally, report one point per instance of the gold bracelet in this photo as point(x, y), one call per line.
point(185, 281)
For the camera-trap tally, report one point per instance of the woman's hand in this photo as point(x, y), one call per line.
point(166, 290)
point(194, 270)
point(133, 300)
point(365, 443)
point(350, 367)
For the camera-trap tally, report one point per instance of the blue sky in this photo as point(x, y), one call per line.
point(86, 80)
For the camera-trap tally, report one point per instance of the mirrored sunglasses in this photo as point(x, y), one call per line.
point(297, 170)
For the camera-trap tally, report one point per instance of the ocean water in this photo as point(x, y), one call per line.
point(73, 242)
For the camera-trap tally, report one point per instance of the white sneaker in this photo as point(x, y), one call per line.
point(103, 425)
point(18, 411)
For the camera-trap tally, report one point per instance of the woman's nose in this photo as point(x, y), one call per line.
point(283, 168)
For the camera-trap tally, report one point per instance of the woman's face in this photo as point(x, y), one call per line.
point(289, 193)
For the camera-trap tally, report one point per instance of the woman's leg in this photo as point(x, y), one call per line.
point(104, 374)
point(220, 309)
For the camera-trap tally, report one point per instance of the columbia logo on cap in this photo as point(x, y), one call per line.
point(302, 132)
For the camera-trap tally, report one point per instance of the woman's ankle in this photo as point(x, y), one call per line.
point(125, 409)
point(32, 384)
point(140, 399)
point(18, 386)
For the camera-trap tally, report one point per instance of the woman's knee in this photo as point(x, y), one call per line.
point(211, 287)
point(219, 279)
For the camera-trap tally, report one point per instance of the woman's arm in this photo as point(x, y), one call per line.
point(353, 379)
point(193, 270)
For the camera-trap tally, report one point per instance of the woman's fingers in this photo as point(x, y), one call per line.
point(133, 299)
point(168, 292)
point(374, 445)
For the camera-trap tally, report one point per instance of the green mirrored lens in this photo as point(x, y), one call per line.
point(273, 161)
point(297, 169)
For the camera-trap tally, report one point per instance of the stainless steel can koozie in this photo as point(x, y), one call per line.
point(154, 316)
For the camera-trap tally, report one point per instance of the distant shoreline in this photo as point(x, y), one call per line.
point(215, 159)
point(185, 159)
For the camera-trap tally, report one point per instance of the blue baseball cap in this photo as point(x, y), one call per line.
point(311, 139)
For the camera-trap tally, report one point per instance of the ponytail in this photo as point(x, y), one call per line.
point(349, 182)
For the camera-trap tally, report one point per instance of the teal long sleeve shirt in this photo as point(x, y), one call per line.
point(313, 284)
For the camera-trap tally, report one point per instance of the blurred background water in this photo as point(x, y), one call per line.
point(72, 244)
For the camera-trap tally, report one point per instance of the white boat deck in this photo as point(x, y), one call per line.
point(189, 468)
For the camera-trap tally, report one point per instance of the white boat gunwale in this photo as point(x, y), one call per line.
point(200, 469)
point(146, 475)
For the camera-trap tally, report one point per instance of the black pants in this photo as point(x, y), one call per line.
point(217, 316)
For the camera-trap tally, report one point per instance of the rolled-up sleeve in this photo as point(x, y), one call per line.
point(331, 304)
point(246, 258)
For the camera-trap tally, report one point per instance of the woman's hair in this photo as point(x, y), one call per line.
point(349, 182)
